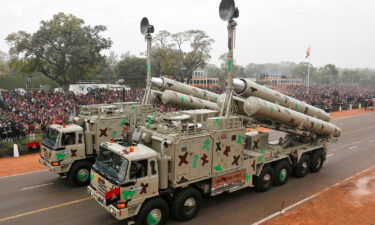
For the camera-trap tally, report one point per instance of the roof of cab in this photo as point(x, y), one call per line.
point(140, 151)
point(68, 127)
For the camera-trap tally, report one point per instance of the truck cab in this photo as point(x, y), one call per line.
point(61, 147)
point(123, 178)
point(70, 150)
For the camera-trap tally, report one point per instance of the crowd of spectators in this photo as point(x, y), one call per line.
point(29, 112)
point(331, 97)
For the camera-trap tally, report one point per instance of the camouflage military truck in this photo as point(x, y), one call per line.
point(176, 159)
point(69, 150)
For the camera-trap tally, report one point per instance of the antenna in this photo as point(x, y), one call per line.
point(228, 11)
point(147, 30)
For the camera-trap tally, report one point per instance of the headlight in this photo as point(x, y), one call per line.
point(56, 163)
point(121, 205)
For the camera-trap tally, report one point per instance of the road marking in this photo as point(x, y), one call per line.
point(14, 175)
point(329, 155)
point(40, 185)
point(346, 145)
point(308, 198)
point(286, 209)
point(353, 147)
point(45, 209)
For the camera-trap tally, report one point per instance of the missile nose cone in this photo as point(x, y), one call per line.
point(157, 82)
point(239, 85)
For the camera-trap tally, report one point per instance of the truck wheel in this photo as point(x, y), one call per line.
point(282, 170)
point(264, 181)
point(153, 212)
point(303, 166)
point(79, 174)
point(317, 159)
point(186, 204)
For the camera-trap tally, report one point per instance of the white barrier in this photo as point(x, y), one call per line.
point(15, 151)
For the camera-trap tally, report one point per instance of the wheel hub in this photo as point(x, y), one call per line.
point(266, 179)
point(154, 217)
point(282, 174)
point(190, 202)
point(318, 162)
point(83, 174)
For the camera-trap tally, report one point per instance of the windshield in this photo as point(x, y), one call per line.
point(51, 137)
point(112, 164)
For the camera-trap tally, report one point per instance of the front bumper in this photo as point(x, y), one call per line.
point(52, 169)
point(119, 214)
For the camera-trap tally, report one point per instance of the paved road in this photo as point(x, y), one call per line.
point(40, 198)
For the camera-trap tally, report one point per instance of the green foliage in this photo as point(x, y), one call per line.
point(327, 75)
point(12, 82)
point(237, 70)
point(63, 49)
point(133, 70)
point(4, 68)
point(189, 49)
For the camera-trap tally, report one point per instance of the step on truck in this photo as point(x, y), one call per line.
point(69, 150)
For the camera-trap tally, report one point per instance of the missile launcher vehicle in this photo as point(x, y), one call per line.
point(177, 158)
point(69, 150)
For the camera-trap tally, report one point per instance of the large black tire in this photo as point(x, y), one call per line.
point(186, 204)
point(303, 166)
point(282, 171)
point(153, 212)
point(264, 181)
point(79, 173)
point(317, 160)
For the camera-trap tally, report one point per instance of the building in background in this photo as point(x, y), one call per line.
point(200, 79)
point(278, 80)
point(84, 87)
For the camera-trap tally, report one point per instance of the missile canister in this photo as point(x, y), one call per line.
point(163, 83)
point(237, 104)
point(266, 110)
point(186, 101)
point(246, 88)
point(155, 97)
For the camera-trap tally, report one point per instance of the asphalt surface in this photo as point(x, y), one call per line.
point(41, 198)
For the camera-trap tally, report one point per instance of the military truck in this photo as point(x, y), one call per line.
point(174, 161)
point(177, 158)
point(69, 150)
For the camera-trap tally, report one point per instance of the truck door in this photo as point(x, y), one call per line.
point(72, 149)
point(139, 172)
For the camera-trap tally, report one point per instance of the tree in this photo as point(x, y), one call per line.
point(237, 70)
point(161, 39)
point(63, 49)
point(133, 70)
point(108, 71)
point(199, 54)
point(189, 49)
point(4, 68)
point(328, 74)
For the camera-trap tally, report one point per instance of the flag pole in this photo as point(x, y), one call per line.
point(308, 70)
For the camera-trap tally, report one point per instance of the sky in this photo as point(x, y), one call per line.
point(341, 32)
